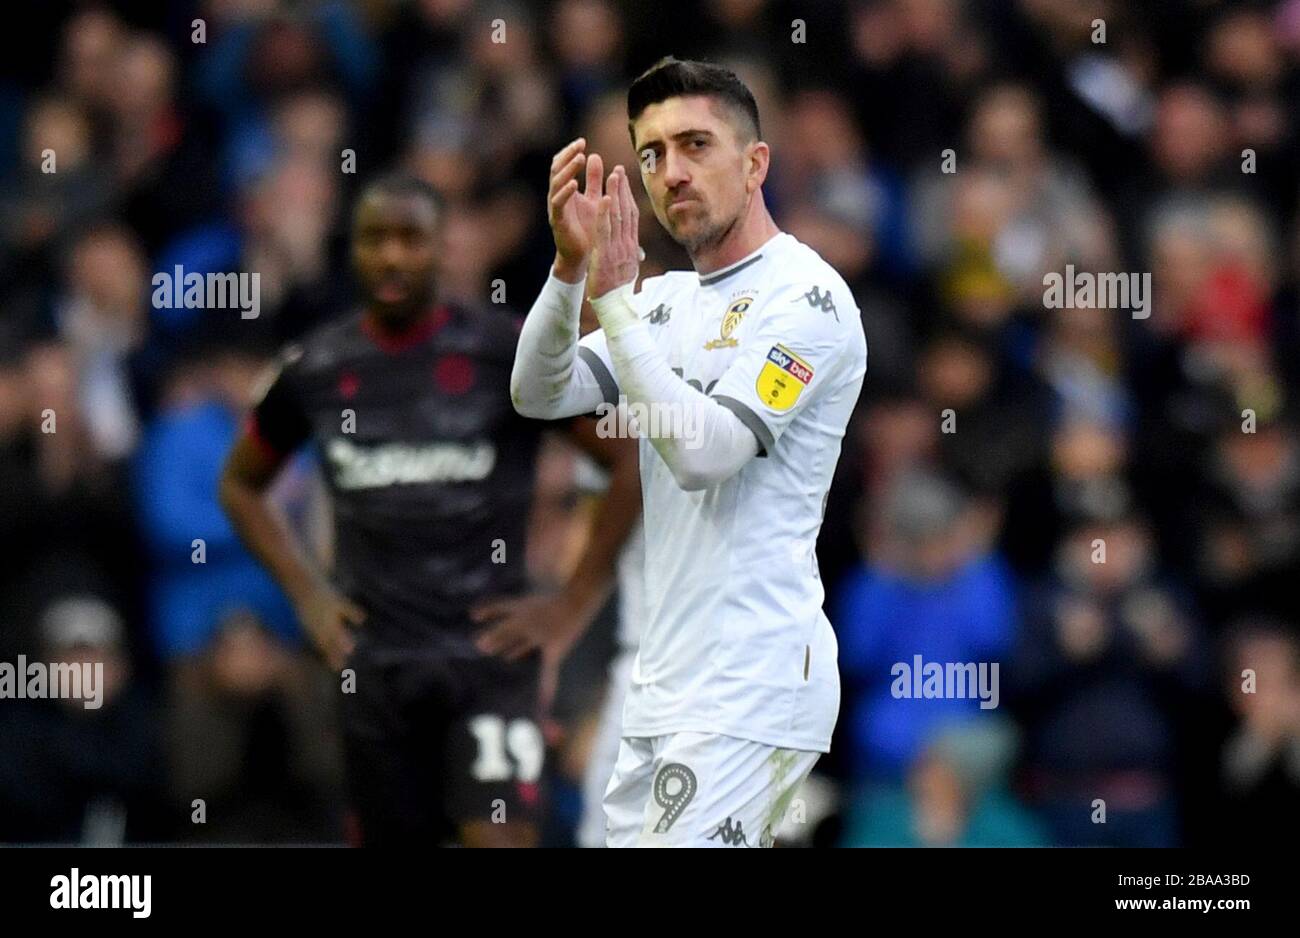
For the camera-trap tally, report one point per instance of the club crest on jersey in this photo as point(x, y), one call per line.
point(730, 320)
point(783, 378)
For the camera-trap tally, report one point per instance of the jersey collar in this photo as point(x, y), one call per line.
point(718, 276)
point(420, 330)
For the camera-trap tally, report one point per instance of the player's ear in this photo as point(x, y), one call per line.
point(758, 157)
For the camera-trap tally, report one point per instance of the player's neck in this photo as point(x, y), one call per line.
point(753, 231)
point(402, 323)
point(398, 334)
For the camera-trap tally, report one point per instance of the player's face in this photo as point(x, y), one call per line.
point(695, 169)
point(394, 245)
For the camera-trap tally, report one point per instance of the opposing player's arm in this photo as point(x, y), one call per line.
point(515, 626)
point(591, 582)
point(274, 429)
point(249, 471)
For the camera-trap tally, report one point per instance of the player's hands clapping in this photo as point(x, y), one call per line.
point(616, 251)
point(572, 214)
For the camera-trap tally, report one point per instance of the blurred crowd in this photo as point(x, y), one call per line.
point(1106, 506)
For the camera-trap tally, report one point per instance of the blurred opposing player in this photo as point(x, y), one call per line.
point(752, 364)
point(431, 474)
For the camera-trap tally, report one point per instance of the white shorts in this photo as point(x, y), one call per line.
point(701, 790)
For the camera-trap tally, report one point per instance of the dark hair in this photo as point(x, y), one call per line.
point(671, 78)
point(399, 183)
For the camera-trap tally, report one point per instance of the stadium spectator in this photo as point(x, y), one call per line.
point(935, 590)
point(78, 774)
point(1260, 760)
point(956, 795)
point(199, 570)
point(1109, 654)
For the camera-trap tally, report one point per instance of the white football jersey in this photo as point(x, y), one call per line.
point(735, 641)
point(631, 588)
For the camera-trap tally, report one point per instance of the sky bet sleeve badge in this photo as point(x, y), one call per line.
point(783, 378)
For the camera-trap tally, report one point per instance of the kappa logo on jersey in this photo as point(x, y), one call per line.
point(659, 315)
point(730, 320)
point(731, 836)
point(783, 378)
point(818, 300)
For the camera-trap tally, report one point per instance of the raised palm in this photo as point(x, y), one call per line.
point(572, 213)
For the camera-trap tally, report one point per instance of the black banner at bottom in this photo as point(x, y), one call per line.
point(255, 886)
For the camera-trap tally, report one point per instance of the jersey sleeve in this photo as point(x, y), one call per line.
point(279, 419)
point(804, 344)
point(593, 348)
point(593, 351)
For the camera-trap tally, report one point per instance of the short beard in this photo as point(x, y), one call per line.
point(709, 238)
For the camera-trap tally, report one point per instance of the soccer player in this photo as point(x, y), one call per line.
point(431, 474)
point(752, 364)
